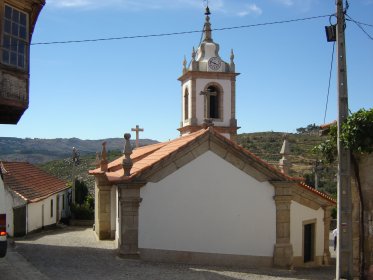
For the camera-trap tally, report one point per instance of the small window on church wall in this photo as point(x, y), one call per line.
point(186, 105)
point(213, 102)
point(14, 47)
point(51, 207)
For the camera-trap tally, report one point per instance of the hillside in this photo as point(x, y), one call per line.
point(54, 155)
point(39, 151)
point(267, 146)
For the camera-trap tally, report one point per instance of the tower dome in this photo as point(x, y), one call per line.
point(208, 88)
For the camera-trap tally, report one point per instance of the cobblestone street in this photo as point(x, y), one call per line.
point(74, 253)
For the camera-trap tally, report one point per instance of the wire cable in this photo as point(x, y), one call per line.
point(359, 25)
point(330, 77)
point(178, 33)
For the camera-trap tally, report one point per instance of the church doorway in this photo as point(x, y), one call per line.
point(308, 242)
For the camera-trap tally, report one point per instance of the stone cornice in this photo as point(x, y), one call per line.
point(102, 180)
point(220, 129)
point(208, 75)
point(132, 185)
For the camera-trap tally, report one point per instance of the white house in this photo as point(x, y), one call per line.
point(203, 199)
point(33, 198)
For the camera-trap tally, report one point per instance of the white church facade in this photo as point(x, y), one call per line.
point(203, 199)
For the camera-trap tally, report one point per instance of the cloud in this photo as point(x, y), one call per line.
point(251, 9)
point(130, 4)
point(69, 3)
point(229, 8)
point(301, 5)
point(286, 2)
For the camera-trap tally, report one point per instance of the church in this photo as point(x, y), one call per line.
point(202, 198)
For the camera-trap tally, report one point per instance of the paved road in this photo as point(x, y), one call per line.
point(74, 253)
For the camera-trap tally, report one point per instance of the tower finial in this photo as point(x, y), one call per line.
point(232, 66)
point(184, 65)
point(284, 161)
point(207, 26)
point(103, 162)
point(207, 12)
point(127, 161)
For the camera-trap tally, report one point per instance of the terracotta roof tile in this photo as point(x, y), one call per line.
point(324, 195)
point(30, 182)
point(146, 157)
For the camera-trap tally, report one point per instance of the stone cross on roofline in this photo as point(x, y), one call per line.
point(137, 130)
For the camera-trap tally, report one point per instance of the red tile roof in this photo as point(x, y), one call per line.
point(30, 182)
point(147, 157)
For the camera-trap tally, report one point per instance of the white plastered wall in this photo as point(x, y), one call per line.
point(117, 217)
point(299, 214)
point(11, 200)
point(37, 217)
point(208, 206)
point(113, 216)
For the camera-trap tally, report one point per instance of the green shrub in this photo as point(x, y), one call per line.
point(82, 212)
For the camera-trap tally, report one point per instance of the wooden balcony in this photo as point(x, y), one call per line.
point(14, 98)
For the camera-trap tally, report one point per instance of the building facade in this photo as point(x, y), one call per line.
point(203, 199)
point(33, 199)
point(18, 19)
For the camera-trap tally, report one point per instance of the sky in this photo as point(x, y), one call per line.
point(97, 90)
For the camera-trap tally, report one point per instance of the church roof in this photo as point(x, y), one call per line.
point(30, 182)
point(171, 155)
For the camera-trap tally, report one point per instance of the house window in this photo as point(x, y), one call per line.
point(51, 207)
point(15, 38)
point(63, 201)
point(186, 105)
point(212, 102)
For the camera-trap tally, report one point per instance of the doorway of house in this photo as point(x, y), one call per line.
point(309, 242)
point(19, 219)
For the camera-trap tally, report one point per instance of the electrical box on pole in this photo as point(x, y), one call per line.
point(344, 267)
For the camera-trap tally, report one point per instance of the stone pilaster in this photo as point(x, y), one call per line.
point(103, 211)
point(327, 220)
point(283, 251)
point(129, 216)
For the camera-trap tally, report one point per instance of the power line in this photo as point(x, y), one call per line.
point(359, 25)
point(177, 33)
point(330, 76)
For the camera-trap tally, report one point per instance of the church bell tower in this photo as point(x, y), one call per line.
point(208, 87)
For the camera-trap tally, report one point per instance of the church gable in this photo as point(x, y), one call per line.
point(208, 205)
point(221, 146)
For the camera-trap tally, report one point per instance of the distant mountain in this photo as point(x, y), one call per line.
point(54, 155)
point(39, 151)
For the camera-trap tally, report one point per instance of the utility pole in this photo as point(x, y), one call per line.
point(344, 268)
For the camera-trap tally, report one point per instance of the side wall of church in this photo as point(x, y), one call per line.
point(299, 216)
point(209, 206)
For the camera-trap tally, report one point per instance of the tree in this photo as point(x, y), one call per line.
point(357, 135)
point(81, 192)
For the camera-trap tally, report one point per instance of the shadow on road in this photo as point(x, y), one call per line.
point(60, 261)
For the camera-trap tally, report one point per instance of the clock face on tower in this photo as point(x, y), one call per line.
point(214, 63)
